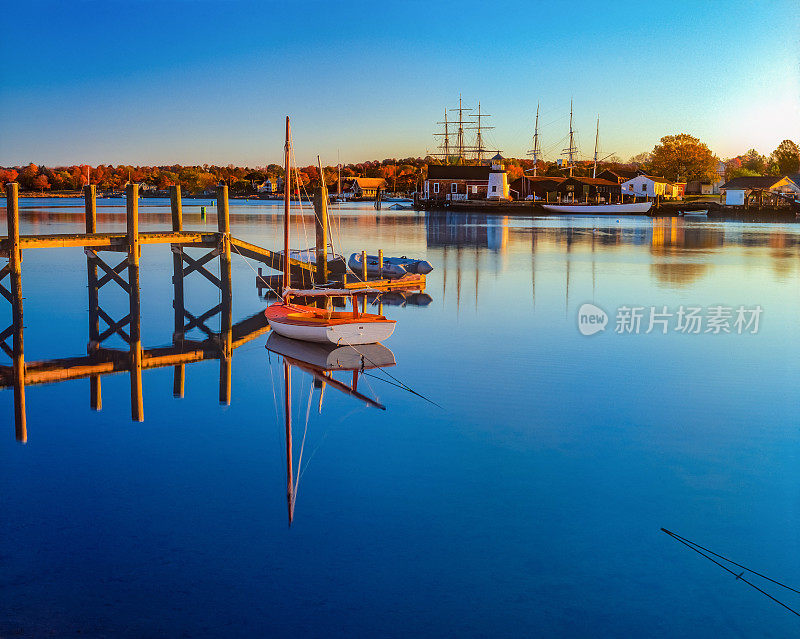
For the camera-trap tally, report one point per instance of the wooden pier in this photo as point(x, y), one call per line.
point(98, 247)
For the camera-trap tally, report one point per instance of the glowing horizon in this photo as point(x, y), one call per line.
point(197, 83)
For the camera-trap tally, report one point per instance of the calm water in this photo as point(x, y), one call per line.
point(527, 503)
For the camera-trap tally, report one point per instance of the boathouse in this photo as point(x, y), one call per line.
point(619, 175)
point(364, 188)
point(456, 182)
point(536, 188)
point(584, 189)
point(765, 189)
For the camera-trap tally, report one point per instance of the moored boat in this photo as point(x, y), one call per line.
point(392, 266)
point(632, 208)
point(313, 324)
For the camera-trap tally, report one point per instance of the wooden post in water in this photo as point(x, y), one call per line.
point(132, 210)
point(15, 266)
point(321, 225)
point(176, 207)
point(380, 264)
point(364, 266)
point(226, 317)
point(90, 204)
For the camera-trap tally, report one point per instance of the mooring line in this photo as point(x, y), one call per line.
point(739, 576)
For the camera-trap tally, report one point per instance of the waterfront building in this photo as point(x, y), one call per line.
point(363, 188)
point(766, 189)
point(648, 186)
point(456, 182)
point(535, 187)
point(579, 189)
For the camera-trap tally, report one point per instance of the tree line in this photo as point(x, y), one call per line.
point(680, 158)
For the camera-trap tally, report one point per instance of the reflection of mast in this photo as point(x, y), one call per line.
point(477, 273)
point(533, 266)
point(458, 278)
point(287, 407)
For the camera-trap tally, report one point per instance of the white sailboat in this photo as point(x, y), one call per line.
point(314, 324)
point(599, 208)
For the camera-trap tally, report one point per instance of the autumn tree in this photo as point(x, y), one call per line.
point(785, 160)
point(683, 158)
point(7, 175)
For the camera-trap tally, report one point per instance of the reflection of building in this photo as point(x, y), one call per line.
point(456, 229)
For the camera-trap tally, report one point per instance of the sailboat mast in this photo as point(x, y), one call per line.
point(287, 185)
point(571, 138)
point(596, 139)
point(339, 183)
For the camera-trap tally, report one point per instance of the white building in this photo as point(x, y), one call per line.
point(266, 187)
point(498, 181)
point(647, 186)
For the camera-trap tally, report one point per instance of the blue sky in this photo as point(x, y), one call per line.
point(210, 82)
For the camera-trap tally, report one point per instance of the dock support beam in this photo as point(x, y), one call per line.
point(90, 203)
point(321, 225)
point(226, 314)
point(176, 206)
point(132, 209)
point(15, 267)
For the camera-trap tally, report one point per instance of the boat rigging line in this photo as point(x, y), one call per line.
point(700, 550)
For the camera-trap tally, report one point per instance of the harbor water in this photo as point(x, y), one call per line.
point(519, 490)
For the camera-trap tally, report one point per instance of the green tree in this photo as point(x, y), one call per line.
point(754, 161)
point(683, 158)
point(785, 160)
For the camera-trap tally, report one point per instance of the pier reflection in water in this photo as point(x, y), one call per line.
point(552, 466)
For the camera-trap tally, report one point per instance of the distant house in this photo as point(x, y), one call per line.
point(361, 187)
point(456, 182)
point(267, 186)
point(647, 186)
point(765, 188)
point(707, 187)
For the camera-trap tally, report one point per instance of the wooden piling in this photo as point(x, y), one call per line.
point(90, 206)
point(321, 225)
point(132, 210)
point(226, 316)
point(364, 266)
point(380, 264)
point(15, 266)
point(178, 305)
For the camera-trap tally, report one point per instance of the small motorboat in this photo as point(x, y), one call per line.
point(393, 267)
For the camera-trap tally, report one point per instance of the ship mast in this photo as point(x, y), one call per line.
point(535, 151)
point(460, 134)
point(445, 146)
point(596, 140)
point(570, 151)
point(479, 150)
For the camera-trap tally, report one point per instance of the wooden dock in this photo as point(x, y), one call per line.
point(100, 361)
